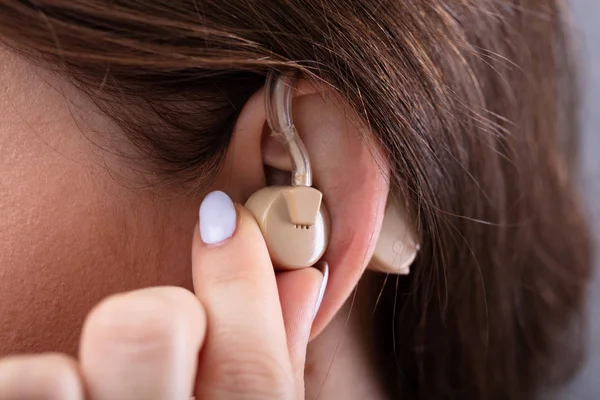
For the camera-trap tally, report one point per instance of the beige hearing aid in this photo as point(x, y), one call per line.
point(397, 245)
point(292, 219)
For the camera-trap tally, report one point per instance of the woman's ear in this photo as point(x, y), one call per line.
point(352, 174)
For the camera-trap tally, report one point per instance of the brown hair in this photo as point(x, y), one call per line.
point(473, 101)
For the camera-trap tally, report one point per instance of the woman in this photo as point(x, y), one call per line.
point(120, 116)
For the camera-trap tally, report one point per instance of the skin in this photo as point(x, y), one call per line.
point(60, 254)
point(78, 224)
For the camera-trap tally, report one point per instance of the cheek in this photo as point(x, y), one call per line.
point(67, 243)
point(72, 230)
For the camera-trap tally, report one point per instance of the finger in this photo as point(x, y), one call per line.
point(245, 355)
point(300, 294)
point(143, 345)
point(45, 376)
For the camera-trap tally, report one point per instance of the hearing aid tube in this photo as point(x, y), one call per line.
point(278, 98)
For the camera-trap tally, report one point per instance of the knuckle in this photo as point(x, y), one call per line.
point(255, 375)
point(144, 318)
point(64, 381)
point(65, 366)
point(234, 277)
point(49, 376)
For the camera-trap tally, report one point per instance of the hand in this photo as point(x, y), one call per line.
point(242, 335)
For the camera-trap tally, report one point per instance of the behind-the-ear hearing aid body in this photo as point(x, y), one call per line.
point(293, 219)
point(397, 246)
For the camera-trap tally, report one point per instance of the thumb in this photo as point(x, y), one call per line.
point(300, 295)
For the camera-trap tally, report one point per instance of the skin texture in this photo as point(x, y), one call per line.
point(73, 225)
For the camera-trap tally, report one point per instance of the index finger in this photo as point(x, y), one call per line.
point(245, 352)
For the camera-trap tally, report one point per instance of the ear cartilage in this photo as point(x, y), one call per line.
point(293, 219)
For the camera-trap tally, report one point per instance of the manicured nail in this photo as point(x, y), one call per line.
point(217, 218)
point(324, 268)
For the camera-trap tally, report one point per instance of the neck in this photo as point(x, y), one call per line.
point(340, 362)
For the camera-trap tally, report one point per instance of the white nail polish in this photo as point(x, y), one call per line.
point(325, 271)
point(217, 218)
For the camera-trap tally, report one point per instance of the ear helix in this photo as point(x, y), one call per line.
point(292, 219)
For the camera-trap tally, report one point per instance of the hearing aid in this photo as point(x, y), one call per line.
point(397, 246)
point(293, 219)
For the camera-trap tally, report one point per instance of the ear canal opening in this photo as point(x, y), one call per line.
point(276, 177)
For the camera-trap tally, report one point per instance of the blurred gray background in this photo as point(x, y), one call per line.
point(586, 23)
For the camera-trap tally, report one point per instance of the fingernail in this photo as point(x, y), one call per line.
point(217, 218)
point(324, 268)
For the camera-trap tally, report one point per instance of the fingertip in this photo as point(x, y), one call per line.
point(146, 314)
point(49, 376)
point(215, 230)
point(299, 292)
point(218, 218)
point(323, 267)
point(137, 340)
point(240, 256)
